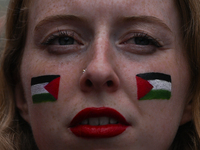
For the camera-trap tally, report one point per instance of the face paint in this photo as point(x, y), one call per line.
point(153, 86)
point(45, 88)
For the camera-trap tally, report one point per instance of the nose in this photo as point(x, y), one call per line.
point(100, 74)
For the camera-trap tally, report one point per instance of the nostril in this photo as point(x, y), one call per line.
point(88, 83)
point(109, 83)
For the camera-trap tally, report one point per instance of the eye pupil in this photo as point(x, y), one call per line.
point(142, 41)
point(66, 40)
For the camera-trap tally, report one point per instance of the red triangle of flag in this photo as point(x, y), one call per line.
point(143, 87)
point(53, 87)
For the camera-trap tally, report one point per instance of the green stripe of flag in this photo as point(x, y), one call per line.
point(157, 94)
point(44, 97)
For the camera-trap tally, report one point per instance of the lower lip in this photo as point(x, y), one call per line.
point(102, 131)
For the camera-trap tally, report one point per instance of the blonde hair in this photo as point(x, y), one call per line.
point(15, 133)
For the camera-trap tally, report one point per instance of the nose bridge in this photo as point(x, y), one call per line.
point(100, 67)
point(100, 74)
point(101, 49)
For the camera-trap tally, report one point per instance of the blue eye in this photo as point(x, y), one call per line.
point(66, 40)
point(62, 42)
point(142, 39)
point(140, 43)
point(61, 38)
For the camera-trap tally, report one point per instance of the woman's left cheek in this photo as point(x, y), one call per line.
point(153, 86)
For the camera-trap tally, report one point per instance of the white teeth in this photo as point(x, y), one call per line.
point(113, 121)
point(99, 121)
point(103, 120)
point(94, 121)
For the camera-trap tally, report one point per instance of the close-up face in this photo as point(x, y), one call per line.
point(106, 74)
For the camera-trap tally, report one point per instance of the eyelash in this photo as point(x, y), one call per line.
point(58, 35)
point(135, 42)
point(152, 40)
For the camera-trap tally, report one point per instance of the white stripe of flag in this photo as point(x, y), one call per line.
point(38, 89)
point(160, 84)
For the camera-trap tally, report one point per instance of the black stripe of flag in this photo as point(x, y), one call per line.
point(154, 76)
point(43, 79)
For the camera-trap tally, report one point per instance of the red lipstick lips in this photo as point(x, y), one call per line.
point(116, 123)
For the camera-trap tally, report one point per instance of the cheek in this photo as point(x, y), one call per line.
point(34, 67)
point(161, 118)
point(36, 64)
point(45, 124)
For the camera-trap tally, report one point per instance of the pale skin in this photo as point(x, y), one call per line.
point(105, 45)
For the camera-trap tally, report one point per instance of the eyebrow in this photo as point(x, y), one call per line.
point(55, 18)
point(148, 19)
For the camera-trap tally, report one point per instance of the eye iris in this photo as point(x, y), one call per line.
point(66, 41)
point(142, 41)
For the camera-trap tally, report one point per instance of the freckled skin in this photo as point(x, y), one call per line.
point(105, 56)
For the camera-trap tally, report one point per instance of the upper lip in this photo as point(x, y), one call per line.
point(93, 112)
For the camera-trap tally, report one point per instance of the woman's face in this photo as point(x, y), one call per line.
point(121, 77)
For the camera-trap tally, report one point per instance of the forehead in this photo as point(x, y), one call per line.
point(94, 10)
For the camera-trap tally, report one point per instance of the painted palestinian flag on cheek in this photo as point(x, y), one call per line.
point(45, 88)
point(153, 86)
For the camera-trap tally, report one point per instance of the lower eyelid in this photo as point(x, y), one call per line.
point(57, 49)
point(138, 49)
